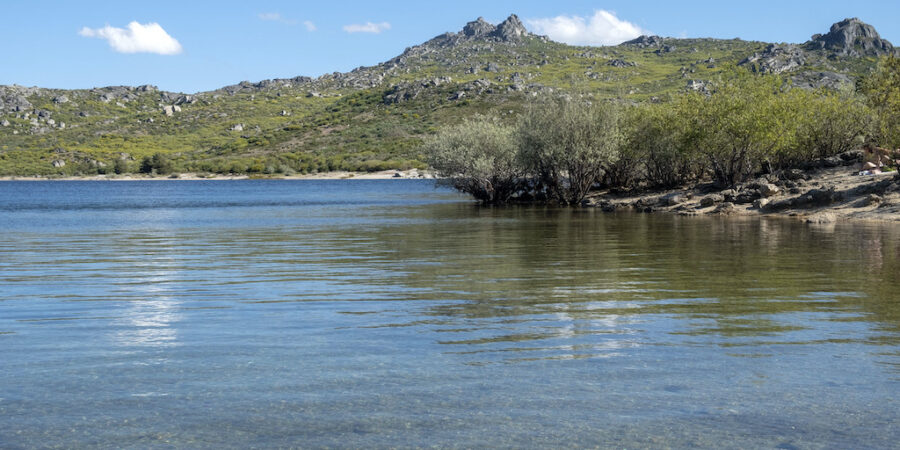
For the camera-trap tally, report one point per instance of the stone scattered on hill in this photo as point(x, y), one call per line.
point(817, 80)
point(170, 110)
point(404, 92)
point(15, 98)
point(776, 58)
point(618, 62)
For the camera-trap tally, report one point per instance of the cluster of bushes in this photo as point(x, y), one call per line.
point(556, 152)
point(157, 164)
point(560, 149)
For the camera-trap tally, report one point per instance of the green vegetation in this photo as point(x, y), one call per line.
point(882, 89)
point(479, 157)
point(746, 126)
point(157, 164)
point(377, 118)
point(556, 152)
point(566, 146)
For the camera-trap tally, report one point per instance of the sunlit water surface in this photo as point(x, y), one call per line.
point(390, 313)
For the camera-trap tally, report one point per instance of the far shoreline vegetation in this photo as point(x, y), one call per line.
point(747, 126)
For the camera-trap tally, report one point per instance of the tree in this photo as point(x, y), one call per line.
point(158, 164)
point(479, 158)
point(882, 90)
point(660, 134)
point(746, 121)
point(830, 123)
point(120, 166)
point(567, 144)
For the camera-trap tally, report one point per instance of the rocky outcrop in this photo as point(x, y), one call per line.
point(14, 98)
point(618, 62)
point(698, 86)
point(403, 92)
point(645, 42)
point(478, 28)
point(473, 88)
point(511, 30)
point(776, 58)
point(851, 37)
point(818, 80)
point(170, 110)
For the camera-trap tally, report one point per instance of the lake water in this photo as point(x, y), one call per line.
point(391, 313)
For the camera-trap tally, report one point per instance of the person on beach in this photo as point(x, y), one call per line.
point(875, 159)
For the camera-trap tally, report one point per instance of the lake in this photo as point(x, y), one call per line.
point(394, 313)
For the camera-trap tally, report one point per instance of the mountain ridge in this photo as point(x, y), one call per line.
point(373, 117)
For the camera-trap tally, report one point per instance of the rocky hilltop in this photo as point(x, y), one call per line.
point(851, 37)
point(840, 52)
point(374, 117)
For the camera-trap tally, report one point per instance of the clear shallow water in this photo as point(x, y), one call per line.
point(389, 313)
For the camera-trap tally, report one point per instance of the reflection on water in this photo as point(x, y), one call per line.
point(148, 323)
point(390, 313)
point(149, 316)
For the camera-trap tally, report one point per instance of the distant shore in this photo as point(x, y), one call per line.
point(339, 175)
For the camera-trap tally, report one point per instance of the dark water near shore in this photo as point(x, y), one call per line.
point(389, 313)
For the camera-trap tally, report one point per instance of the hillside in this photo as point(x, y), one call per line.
point(373, 118)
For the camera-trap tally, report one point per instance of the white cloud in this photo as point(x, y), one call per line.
point(273, 17)
point(368, 27)
point(277, 17)
point(603, 28)
point(309, 25)
point(138, 38)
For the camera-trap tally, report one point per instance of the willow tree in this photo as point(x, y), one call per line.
point(746, 121)
point(882, 89)
point(830, 123)
point(566, 145)
point(478, 157)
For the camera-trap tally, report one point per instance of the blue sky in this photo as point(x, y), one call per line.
point(205, 45)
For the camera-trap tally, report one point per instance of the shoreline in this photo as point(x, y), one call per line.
point(817, 195)
point(820, 195)
point(190, 176)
